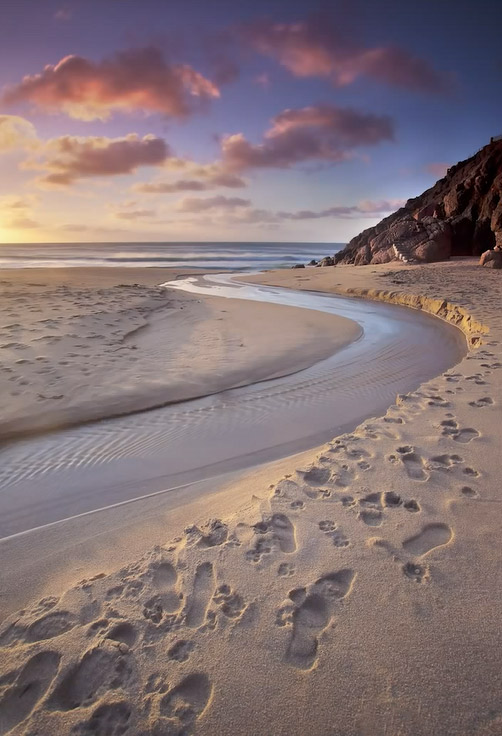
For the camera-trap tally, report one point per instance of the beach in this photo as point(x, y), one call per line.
point(69, 334)
point(350, 590)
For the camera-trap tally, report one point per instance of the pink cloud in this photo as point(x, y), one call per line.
point(363, 209)
point(437, 169)
point(63, 14)
point(137, 79)
point(191, 185)
point(314, 48)
point(135, 214)
point(322, 132)
point(68, 159)
point(262, 80)
point(202, 204)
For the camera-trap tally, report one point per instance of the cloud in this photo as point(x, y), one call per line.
point(69, 158)
point(190, 185)
point(23, 223)
point(202, 204)
point(132, 80)
point(322, 132)
point(16, 132)
point(437, 169)
point(366, 208)
point(15, 202)
point(315, 48)
point(135, 214)
point(63, 14)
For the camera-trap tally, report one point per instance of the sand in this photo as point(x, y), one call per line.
point(85, 344)
point(354, 590)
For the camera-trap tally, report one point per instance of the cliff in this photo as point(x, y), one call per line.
point(460, 215)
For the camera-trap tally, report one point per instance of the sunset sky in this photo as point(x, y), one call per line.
point(193, 120)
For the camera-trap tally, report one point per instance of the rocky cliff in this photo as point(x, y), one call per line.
point(460, 215)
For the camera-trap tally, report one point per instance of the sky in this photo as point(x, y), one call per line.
point(218, 120)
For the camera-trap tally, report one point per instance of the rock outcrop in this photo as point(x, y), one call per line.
point(461, 215)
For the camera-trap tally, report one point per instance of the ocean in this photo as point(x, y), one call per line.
point(221, 256)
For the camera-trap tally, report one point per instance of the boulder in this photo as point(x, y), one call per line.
point(326, 261)
point(298, 265)
point(491, 259)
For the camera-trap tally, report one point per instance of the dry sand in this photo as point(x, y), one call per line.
point(85, 344)
point(354, 591)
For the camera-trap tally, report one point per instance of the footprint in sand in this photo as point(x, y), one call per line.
point(109, 719)
point(275, 532)
point(50, 626)
point(181, 650)
point(203, 590)
point(468, 492)
point(466, 435)
point(231, 604)
point(313, 614)
point(431, 537)
point(413, 463)
point(124, 633)
point(25, 690)
point(187, 701)
point(482, 403)
point(100, 669)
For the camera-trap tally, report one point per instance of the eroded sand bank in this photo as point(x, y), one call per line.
point(84, 344)
point(354, 590)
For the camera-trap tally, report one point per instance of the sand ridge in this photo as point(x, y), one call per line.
point(356, 594)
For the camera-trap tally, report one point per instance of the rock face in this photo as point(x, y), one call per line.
point(461, 215)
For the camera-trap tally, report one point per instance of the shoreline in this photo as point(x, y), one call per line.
point(59, 366)
point(391, 531)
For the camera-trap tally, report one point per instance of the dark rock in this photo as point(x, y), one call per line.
point(313, 262)
point(298, 265)
point(461, 215)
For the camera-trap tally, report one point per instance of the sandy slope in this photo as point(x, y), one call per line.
point(80, 344)
point(356, 592)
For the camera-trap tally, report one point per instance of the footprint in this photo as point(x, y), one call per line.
point(317, 476)
point(468, 492)
point(109, 719)
point(181, 650)
point(415, 572)
point(466, 435)
point(286, 570)
point(272, 533)
point(164, 576)
point(20, 698)
point(431, 537)
point(216, 535)
point(231, 603)
point(164, 579)
point(371, 517)
point(124, 633)
point(47, 627)
point(313, 615)
point(188, 700)
point(481, 403)
point(203, 589)
point(99, 670)
point(413, 463)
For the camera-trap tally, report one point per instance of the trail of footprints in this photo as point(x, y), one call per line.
point(175, 597)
